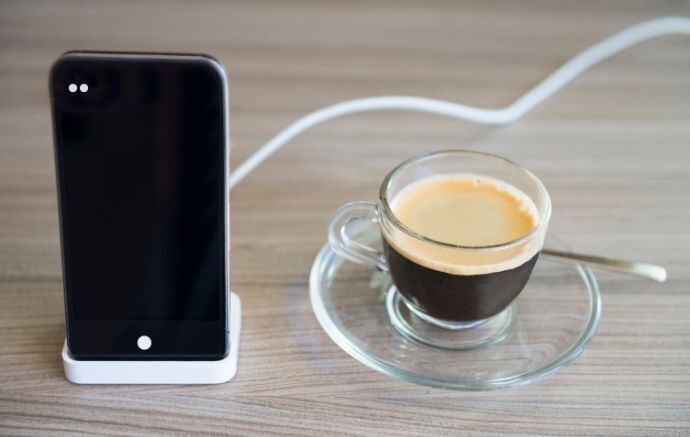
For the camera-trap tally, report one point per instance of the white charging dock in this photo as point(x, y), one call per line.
point(160, 372)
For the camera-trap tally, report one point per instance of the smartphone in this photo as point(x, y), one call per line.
point(141, 152)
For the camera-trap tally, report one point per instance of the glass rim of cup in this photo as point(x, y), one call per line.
point(543, 219)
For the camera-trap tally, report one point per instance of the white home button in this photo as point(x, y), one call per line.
point(144, 342)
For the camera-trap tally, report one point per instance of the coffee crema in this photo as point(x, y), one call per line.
point(464, 209)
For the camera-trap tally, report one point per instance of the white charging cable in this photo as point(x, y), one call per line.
point(547, 87)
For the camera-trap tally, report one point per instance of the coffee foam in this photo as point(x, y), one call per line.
point(469, 210)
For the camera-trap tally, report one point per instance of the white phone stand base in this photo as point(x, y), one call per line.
point(160, 372)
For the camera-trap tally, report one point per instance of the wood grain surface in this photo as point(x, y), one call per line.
point(613, 148)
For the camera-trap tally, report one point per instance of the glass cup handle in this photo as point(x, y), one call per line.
point(343, 245)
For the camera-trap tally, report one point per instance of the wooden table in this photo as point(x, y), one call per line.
point(613, 149)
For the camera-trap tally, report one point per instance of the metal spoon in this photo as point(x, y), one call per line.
point(642, 270)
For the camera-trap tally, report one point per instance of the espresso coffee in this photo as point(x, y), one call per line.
point(453, 283)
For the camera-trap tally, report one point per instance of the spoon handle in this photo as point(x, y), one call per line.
point(642, 270)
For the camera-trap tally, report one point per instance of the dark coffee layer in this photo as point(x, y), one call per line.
point(456, 297)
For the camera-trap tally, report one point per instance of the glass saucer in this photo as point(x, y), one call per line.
point(552, 322)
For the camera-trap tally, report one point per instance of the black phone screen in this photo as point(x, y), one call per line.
point(141, 159)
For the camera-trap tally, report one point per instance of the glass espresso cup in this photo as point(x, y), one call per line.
point(452, 285)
